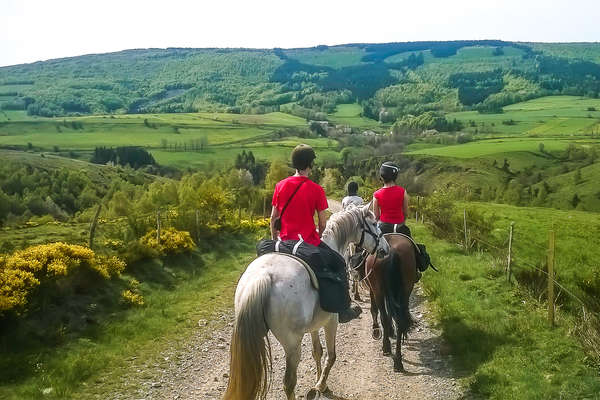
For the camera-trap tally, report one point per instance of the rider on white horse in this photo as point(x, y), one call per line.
point(297, 221)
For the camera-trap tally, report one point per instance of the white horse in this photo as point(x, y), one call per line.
point(275, 293)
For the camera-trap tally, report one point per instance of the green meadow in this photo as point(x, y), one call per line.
point(350, 114)
point(170, 137)
point(552, 115)
point(483, 148)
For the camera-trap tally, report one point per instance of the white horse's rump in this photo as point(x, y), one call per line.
point(275, 293)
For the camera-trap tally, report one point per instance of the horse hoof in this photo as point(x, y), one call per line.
point(313, 394)
point(376, 333)
point(399, 367)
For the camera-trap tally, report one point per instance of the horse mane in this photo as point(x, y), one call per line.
point(342, 224)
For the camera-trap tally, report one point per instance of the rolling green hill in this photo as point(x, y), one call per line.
point(446, 76)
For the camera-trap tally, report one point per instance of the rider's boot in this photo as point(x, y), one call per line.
point(349, 314)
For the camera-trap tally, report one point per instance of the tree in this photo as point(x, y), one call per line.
point(278, 170)
point(577, 177)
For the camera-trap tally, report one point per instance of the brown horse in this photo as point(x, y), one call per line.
point(391, 282)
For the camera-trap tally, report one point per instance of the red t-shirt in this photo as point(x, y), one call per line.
point(299, 214)
point(391, 202)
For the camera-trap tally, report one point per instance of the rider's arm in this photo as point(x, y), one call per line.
point(274, 215)
point(405, 205)
point(376, 209)
point(322, 221)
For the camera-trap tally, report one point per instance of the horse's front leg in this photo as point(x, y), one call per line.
point(376, 330)
point(317, 351)
point(355, 291)
point(292, 359)
point(330, 332)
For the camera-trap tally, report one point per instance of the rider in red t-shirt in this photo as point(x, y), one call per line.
point(390, 203)
point(298, 218)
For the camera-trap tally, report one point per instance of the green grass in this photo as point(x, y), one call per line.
point(488, 147)
point(349, 114)
point(225, 155)
point(178, 293)
point(226, 135)
point(551, 115)
point(498, 335)
point(334, 57)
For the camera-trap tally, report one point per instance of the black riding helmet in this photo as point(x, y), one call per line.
point(388, 171)
point(303, 156)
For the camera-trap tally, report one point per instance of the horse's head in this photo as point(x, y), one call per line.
point(371, 239)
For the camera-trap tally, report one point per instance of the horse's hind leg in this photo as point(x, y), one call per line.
point(386, 323)
point(330, 332)
point(398, 365)
point(376, 330)
point(317, 351)
point(292, 359)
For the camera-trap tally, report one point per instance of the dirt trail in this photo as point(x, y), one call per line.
point(361, 371)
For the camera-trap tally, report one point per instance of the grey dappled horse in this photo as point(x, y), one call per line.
point(275, 293)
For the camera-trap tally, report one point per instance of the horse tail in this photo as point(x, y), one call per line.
point(396, 296)
point(250, 352)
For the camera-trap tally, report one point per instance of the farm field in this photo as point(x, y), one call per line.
point(349, 114)
point(552, 115)
point(223, 156)
point(168, 136)
point(482, 148)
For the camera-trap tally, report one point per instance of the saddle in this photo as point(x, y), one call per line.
point(327, 267)
point(421, 255)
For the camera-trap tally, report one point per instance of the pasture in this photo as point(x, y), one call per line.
point(350, 114)
point(487, 147)
point(169, 137)
point(551, 115)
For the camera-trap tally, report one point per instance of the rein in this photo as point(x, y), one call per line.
point(367, 229)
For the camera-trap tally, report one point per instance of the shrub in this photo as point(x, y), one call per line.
point(172, 241)
point(25, 270)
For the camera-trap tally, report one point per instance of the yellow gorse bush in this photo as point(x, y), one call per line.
point(24, 270)
point(172, 241)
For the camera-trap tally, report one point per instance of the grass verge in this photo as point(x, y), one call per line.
point(178, 292)
point(498, 335)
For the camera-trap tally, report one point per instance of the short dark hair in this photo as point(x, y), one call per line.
point(352, 188)
point(388, 171)
point(303, 156)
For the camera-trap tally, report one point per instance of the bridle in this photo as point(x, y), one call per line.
point(367, 229)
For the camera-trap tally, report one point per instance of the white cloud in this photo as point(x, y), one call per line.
point(39, 29)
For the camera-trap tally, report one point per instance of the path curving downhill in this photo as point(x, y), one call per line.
point(361, 372)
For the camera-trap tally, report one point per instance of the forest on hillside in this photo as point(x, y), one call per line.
point(389, 80)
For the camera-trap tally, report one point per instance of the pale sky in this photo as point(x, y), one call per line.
point(33, 30)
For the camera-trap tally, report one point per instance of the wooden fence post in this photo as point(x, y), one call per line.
point(417, 211)
point(465, 228)
point(264, 205)
point(510, 238)
point(158, 226)
point(197, 226)
point(93, 226)
point(551, 241)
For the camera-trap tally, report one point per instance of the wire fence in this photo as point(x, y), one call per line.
point(506, 248)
